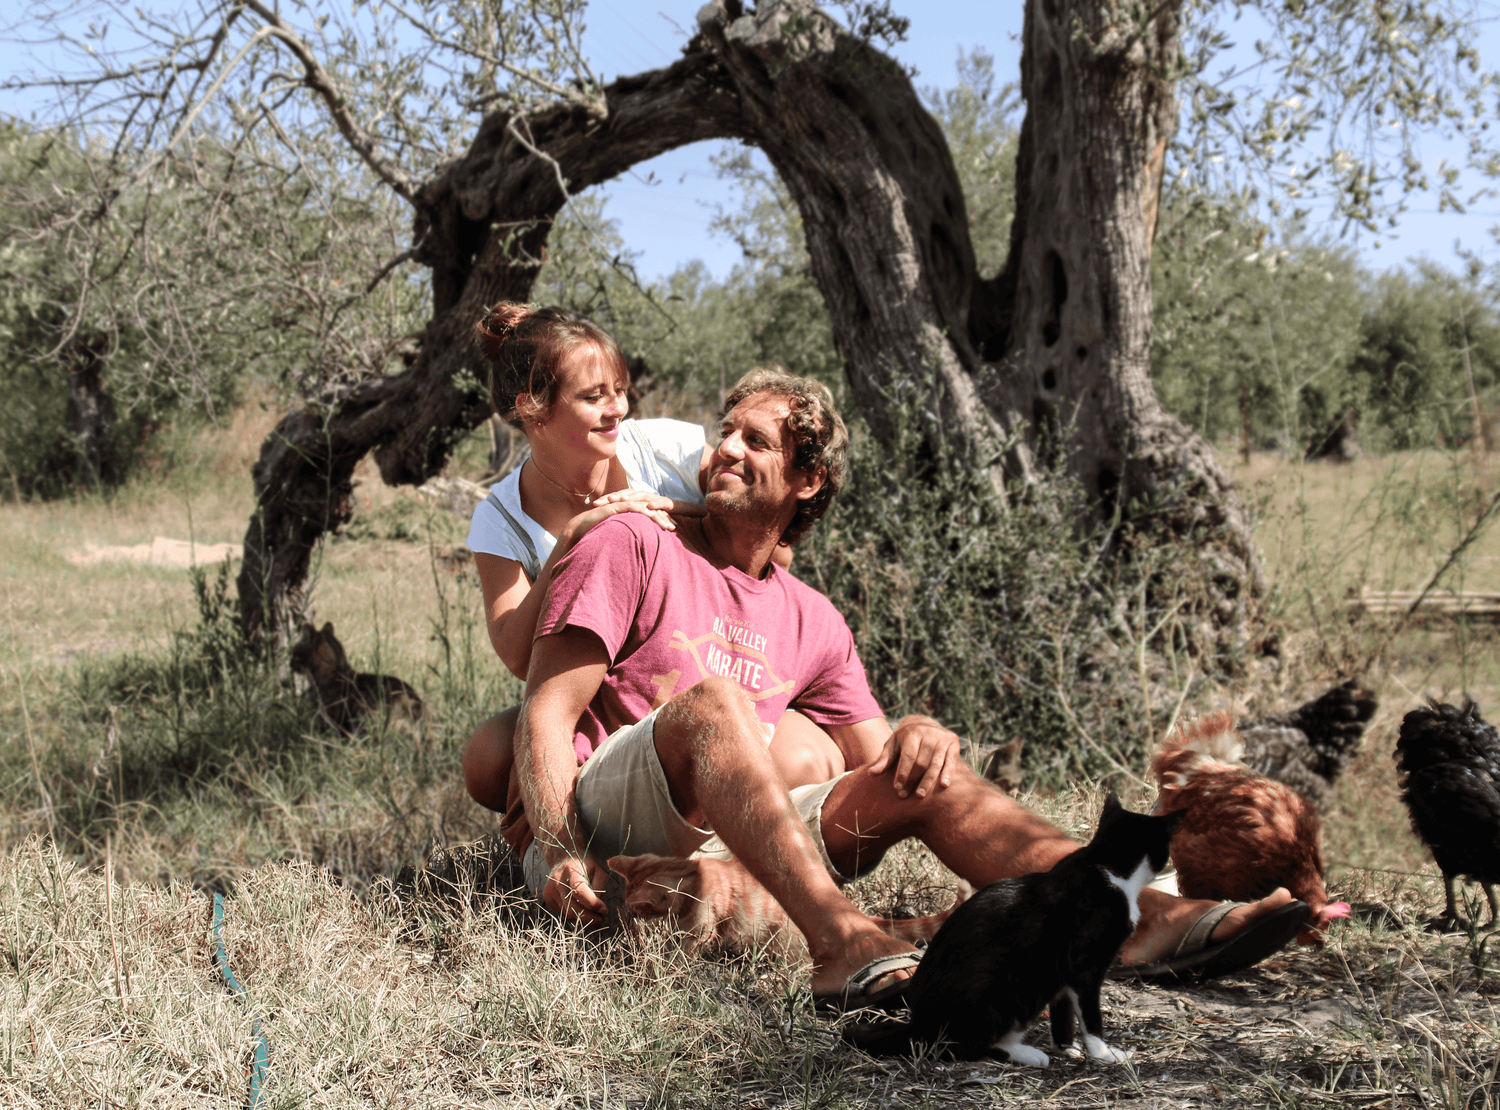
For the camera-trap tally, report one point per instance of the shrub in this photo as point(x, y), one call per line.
point(1006, 620)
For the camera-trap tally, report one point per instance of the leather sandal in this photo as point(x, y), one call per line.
point(1197, 957)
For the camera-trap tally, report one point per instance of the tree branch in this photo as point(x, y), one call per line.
point(321, 82)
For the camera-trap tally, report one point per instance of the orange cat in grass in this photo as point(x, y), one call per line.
point(718, 904)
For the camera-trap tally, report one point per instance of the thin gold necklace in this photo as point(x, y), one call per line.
point(587, 495)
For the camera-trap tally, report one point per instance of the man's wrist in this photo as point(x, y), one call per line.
point(560, 854)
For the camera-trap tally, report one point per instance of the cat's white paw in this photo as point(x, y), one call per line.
point(1071, 1051)
point(1101, 1052)
point(1021, 1053)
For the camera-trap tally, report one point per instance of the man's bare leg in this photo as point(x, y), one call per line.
point(983, 835)
point(803, 752)
point(713, 751)
point(1166, 918)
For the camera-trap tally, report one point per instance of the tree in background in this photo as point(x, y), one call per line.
point(1430, 347)
point(1255, 333)
point(129, 303)
point(1050, 356)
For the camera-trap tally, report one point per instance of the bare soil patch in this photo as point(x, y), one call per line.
point(160, 552)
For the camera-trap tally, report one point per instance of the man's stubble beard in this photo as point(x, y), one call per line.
point(739, 510)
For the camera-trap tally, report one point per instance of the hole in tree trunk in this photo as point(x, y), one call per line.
point(1108, 484)
point(1049, 379)
point(1052, 325)
point(1081, 353)
point(1044, 428)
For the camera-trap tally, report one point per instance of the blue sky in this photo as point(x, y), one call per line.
point(664, 206)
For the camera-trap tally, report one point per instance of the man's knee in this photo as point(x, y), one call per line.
point(803, 753)
point(711, 711)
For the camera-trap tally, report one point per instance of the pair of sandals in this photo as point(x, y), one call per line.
point(1195, 959)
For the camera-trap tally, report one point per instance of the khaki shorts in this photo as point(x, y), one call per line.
point(626, 808)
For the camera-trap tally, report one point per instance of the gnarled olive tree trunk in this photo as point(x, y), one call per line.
point(1057, 345)
point(480, 224)
point(1069, 321)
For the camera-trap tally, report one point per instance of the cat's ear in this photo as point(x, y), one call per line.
point(624, 866)
point(1110, 813)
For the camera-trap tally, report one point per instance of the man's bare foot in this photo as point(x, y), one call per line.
point(831, 973)
point(1166, 919)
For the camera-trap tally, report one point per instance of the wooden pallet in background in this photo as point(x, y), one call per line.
point(1474, 604)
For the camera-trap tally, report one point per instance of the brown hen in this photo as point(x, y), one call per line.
point(1244, 834)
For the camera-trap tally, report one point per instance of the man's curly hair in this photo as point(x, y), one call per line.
point(820, 440)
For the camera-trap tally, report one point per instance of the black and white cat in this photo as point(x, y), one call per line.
point(1023, 943)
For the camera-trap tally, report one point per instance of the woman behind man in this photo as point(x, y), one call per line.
point(562, 380)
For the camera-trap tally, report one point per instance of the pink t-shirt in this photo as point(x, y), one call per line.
point(669, 618)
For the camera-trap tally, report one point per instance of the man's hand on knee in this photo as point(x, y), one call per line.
point(924, 752)
point(572, 889)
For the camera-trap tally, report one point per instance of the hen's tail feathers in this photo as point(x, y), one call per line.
point(1194, 744)
point(1338, 717)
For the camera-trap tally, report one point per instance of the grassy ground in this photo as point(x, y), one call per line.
point(140, 769)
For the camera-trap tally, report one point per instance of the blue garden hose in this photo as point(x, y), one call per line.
point(262, 1044)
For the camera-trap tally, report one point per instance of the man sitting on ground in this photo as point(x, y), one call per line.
point(663, 660)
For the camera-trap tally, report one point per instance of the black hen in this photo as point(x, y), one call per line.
point(1309, 747)
point(1448, 766)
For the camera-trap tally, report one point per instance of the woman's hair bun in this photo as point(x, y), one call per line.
point(498, 325)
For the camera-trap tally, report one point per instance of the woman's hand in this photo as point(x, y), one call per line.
point(654, 505)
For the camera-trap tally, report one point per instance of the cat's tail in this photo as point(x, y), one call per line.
point(880, 1038)
point(920, 930)
point(1206, 743)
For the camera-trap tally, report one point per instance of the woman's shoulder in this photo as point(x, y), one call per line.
point(503, 495)
point(501, 527)
point(658, 432)
point(663, 455)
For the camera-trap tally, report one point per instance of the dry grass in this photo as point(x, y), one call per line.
point(109, 995)
point(378, 590)
point(112, 998)
point(1387, 522)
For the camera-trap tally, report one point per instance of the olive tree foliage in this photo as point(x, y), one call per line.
point(486, 117)
point(1331, 102)
point(97, 347)
point(1277, 340)
point(1255, 331)
point(179, 269)
point(1429, 362)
